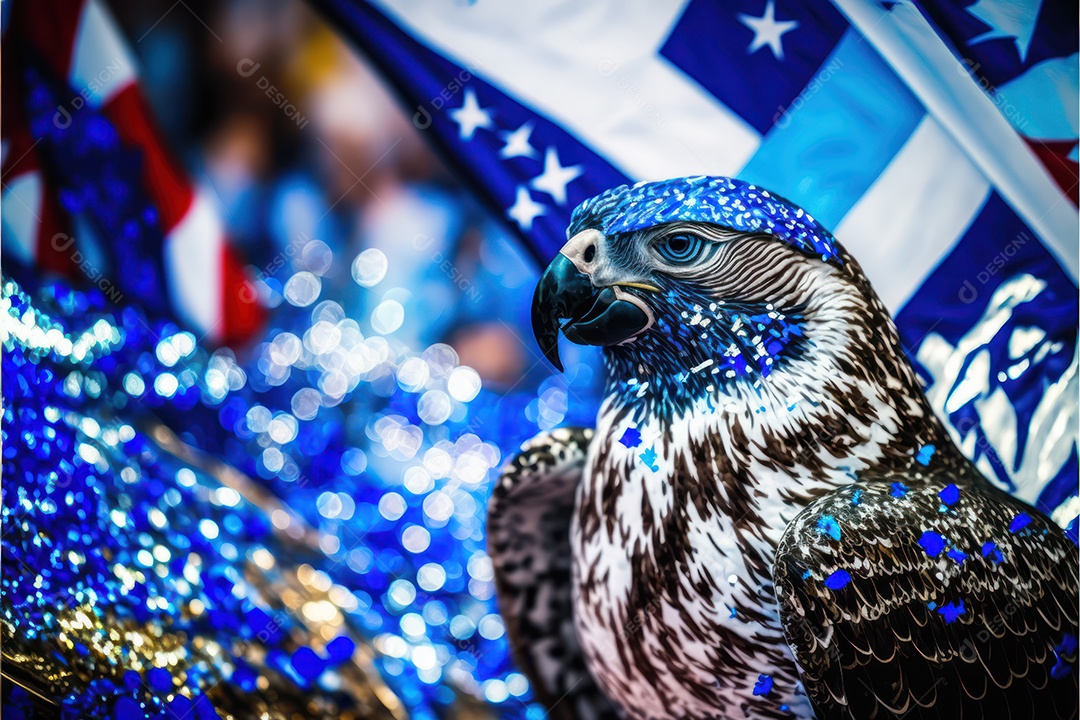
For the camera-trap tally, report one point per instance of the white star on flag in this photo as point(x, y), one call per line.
point(525, 209)
point(768, 30)
point(517, 142)
point(470, 116)
point(1007, 20)
point(556, 177)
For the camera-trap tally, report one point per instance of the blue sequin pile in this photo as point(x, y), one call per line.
point(393, 497)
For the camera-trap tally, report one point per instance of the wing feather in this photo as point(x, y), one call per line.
point(528, 533)
point(926, 608)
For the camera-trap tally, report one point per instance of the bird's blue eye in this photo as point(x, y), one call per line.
point(680, 249)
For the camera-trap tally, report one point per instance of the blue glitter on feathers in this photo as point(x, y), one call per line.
point(1021, 521)
point(706, 199)
point(827, 525)
point(838, 580)
point(932, 542)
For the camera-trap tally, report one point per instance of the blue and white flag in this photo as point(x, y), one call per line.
point(939, 142)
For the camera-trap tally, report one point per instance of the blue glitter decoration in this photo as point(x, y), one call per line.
point(926, 452)
point(952, 611)
point(423, 594)
point(957, 556)
point(101, 180)
point(1021, 521)
point(827, 525)
point(649, 458)
point(933, 543)
point(838, 580)
point(631, 438)
point(898, 489)
point(856, 497)
point(722, 201)
point(991, 550)
point(764, 685)
point(949, 495)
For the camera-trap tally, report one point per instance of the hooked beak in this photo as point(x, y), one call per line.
point(593, 316)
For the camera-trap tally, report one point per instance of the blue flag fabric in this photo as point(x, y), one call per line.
point(938, 141)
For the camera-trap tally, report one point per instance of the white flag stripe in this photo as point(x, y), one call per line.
point(942, 83)
point(101, 62)
point(914, 213)
point(597, 71)
point(20, 210)
point(193, 252)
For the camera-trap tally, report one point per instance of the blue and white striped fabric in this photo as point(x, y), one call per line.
point(938, 142)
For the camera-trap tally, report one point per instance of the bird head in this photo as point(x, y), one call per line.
point(669, 275)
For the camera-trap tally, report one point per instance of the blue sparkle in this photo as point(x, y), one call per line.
point(898, 490)
point(838, 580)
point(933, 543)
point(952, 611)
point(856, 497)
point(932, 605)
point(733, 612)
point(1068, 644)
point(925, 453)
point(763, 686)
point(950, 494)
point(807, 574)
point(1021, 521)
point(990, 549)
point(649, 458)
point(827, 525)
point(716, 200)
point(1062, 652)
point(957, 556)
point(631, 438)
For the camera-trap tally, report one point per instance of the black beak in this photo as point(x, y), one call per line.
point(594, 316)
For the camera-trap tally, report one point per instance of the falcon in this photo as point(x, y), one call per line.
point(768, 520)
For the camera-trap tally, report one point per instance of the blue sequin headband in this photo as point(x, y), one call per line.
point(707, 199)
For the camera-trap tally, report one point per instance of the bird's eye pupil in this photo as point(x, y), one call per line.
point(680, 249)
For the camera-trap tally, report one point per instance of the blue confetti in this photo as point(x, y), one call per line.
point(733, 612)
point(957, 555)
point(933, 543)
point(649, 458)
point(932, 605)
point(631, 438)
point(952, 611)
point(1062, 652)
point(827, 525)
point(763, 686)
point(898, 490)
point(856, 497)
point(1021, 521)
point(807, 574)
point(949, 495)
point(838, 580)
point(990, 549)
point(925, 453)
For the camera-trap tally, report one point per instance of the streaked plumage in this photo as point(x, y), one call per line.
point(737, 513)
